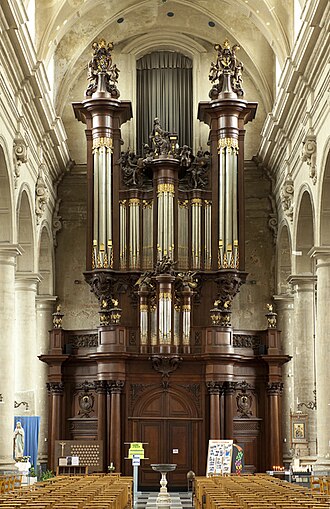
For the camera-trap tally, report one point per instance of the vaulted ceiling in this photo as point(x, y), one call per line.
point(65, 30)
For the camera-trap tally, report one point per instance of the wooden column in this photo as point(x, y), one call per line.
point(115, 389)
point(229, 410)
point(56, 390)
point(101, 390)
point(214, 389)
point(274, 390)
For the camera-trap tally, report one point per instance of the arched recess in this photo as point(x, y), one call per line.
point(46, 285)
point(6, 217)
point(284, 268)
point(168, 422)
point(304, 235)
point(171, 403)
point(25, 237)
point(325, 206)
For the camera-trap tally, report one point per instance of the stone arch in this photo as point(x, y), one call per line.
point(6, 215)
point(304, 234)
point(325, 204)
point(284, 266)
point(25, 233)
point(45, 263)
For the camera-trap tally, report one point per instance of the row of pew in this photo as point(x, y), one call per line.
point(95, 491)
point(259, 491)
point(9, 483)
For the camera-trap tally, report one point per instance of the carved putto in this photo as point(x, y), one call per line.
point(132, 167)
point(198, 169)
point(42, 193)
point(194, 169)
point(101, 65)
point(226, 63)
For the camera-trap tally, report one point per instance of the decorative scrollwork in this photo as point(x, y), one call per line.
point(165, 365)
point(287, 193)
point(41, 193)
point(214, 387)
point(228, 283)
point(246, 341)
point(275, 388)
point(116, 386)
point(55, 387)
point(308, 154)
point(84, 340)
point(20, 155)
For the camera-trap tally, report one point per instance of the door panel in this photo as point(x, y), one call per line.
point(180, 440)
point(151, 432)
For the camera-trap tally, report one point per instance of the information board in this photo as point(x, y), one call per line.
point(136, 448)
point(219, 457)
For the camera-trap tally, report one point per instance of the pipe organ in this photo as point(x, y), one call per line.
point(165, 259)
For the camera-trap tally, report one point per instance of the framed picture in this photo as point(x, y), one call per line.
point(299, 423)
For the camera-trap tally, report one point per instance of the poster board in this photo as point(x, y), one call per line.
point(219, 457)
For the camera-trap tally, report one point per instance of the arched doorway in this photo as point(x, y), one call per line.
point(167, 421)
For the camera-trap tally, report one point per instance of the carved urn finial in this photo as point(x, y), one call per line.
point(271, 317)
point(58, 318)
point(102, 73)
point(226, 73)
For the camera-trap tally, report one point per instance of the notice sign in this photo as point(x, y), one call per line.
point(219, 457)
point(135, 448)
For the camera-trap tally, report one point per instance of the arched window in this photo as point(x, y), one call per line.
point(164, 90)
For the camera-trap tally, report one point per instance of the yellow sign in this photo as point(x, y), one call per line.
point(136, 449)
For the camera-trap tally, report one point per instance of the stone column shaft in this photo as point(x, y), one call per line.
point(45, 304)
point(284, 307)
point(25, 336)
point(322, 351)
point(303, 350)
point(8, 256)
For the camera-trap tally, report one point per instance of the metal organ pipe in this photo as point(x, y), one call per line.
point(96, 196)
point(228, 210)
point(109, 193)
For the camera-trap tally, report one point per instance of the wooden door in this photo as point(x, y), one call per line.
point(167, 441)
point(167, 423)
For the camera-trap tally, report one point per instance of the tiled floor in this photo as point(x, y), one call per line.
point(147, 500)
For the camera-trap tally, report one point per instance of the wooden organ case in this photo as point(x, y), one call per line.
point(165, 259)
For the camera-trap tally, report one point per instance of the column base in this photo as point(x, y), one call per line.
point(7, 464)
point(321, 464)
